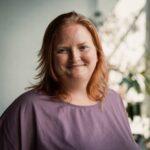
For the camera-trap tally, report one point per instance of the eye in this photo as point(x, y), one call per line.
point(62, 50)
point(84, 48)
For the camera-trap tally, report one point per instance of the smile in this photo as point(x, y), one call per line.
point(73, 66)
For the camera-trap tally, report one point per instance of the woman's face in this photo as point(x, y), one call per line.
point(75, 55)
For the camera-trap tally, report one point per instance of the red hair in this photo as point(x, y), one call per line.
point(48, 80)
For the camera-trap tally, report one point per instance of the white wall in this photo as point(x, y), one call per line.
point(22, 25)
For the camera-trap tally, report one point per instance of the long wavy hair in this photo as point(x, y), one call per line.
point(49, 82)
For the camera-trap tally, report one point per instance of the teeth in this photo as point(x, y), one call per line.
point(76, 65)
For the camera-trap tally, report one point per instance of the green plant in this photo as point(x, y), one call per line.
point(131, 81)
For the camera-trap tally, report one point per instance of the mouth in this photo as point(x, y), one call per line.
point(76, 65)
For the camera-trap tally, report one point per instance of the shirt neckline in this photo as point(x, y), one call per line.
point(81, 106)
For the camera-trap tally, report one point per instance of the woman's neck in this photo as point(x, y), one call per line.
point(78, 93)
point(76, 86)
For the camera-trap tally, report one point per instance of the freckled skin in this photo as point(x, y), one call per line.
point(75, 55)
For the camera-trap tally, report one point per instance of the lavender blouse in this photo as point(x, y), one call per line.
point(35, 122)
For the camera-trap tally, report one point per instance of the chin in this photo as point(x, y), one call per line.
point(80, 76)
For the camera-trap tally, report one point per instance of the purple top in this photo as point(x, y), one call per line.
point(35, 122)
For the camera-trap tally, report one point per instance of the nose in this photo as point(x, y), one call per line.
point(74, 55)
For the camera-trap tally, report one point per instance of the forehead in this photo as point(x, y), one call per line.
point(73, 32)
point(72, 27)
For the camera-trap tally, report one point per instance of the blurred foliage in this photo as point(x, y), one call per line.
point(147, 81)
point(131, 82)
point(114, 32)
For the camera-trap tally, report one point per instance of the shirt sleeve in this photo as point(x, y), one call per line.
point(125, 122)
point(17, 126)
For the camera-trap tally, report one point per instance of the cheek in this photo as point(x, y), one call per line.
point(94, 56)
point(91, 57)
point(60, 60)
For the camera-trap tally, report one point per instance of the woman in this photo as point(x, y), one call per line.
point(71, 108)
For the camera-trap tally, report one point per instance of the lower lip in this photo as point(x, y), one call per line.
point(75, 66)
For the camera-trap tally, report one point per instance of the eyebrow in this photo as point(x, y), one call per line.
point(83, 43)
point(64, 46)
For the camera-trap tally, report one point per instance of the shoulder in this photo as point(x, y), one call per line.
point(112, 94)
point(24, 102)
point(30, 96)
point(114, 103)
point(18, 118)
point(114, 100)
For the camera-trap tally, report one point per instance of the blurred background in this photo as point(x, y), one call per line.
point(124, 29)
